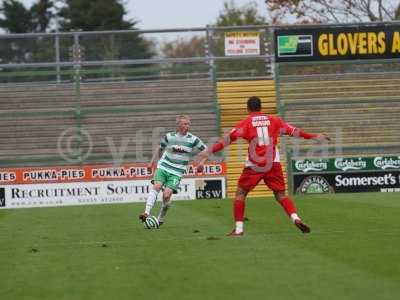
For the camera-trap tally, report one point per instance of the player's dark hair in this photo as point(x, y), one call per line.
point(254, 103)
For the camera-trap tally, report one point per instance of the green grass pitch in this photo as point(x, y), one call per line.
point(103, 252)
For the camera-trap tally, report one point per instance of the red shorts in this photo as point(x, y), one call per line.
point(273, 178)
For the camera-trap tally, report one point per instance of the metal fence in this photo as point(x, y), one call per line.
point(339, 94)
point(63, 51)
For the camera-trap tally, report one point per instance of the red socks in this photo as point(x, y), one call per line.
point(238, 210)
point(288, 206)
point(239, 206)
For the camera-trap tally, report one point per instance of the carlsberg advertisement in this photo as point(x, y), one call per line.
point(346, 174)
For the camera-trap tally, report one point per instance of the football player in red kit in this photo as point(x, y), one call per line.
point(261, 131)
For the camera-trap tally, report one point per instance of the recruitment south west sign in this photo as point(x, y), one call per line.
point(337, 42)
point(100, 184)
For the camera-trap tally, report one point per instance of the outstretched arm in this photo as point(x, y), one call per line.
point(226, 140)
point(315, 136)
point(221, 144)
point(297, 132)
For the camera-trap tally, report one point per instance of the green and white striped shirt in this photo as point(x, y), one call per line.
point(178, 149)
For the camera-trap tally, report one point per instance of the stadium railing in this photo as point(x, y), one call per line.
point(101, 115)
point(358, 109)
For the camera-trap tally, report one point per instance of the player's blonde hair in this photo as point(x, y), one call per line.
point(182, 117)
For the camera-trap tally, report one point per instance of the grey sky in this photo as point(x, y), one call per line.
point(162, 14)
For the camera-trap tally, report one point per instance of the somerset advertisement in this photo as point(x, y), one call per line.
point(346, 175)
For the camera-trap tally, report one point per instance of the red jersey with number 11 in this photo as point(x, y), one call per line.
point(262, 132)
